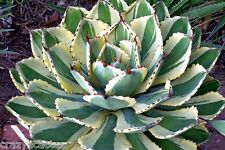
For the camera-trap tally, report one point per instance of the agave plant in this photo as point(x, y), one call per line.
point(116, 77)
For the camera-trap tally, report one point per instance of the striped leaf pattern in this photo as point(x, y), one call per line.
point(117, 77)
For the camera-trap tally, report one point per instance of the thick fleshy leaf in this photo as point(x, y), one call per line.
point(119, 5)
point(81, 112)
point(162, 11)
point(149, 35)
point(44, 95)
point(36, 43)
point(174, 25)
point(131, 49)
point(176, 143)
point(31, 68)
point(89, 28)
point(152, 98)
point(130, 122)
point(57, 131)
point(198, 134)
point(133, 79)
point(16, 80)
point(210, 84)
point(72, 18)
point(105, 137)
point(186, 85)
point(61, 61)
point(105, 73)
point(111, 102)
point(196, 41)
point(119, 32)
point(153, 68)
point(104, 12)
point(178, 50)
point(204, 56)
point(175, 122)
point(111, 53)
point(219, 125)
point(140, 141)
point(209, 105)
point(22, 108)
point(138, 9)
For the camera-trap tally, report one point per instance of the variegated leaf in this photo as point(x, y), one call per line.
point(204, 56)
point(16, 80)
point(162, 11)
point(178, 51)
point(149, 35)
point(130, 122)
point(56, 132)
point(44, 95)
point(31, 68)
point(140, 141)
point(61, 61)
point(105, 12)
point(209, 105)
point(36, 43)
point(174, 122)
point(152, 98)
point(22, 108)
point(174, 25)
point(104, 73)
point(81, 112)
point(105, 137)
point(89, 28)
point(138, 9)
point(186, 85)
point(119, 5)
point(72, 18)
point(111, 102)
point(133, 79)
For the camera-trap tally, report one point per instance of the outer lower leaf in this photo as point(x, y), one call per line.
point(177, 6)
point(198, 134)
point(88, 28)
point(36, 43)
point(25, 110)
point(31, 68)
point(140, 141)
point(119, 5)
point(175, 122)
point(219, 25)
point(44, 96)
point(149, 35)
point(186, 85)
point(104, 12)
point(219, 125)
point(61, 61)
point(129, 122)
point(57, 131)
point(174, 25)
point(204, 56)
point(16, 80)
point(162, 11)
point(209, 105)
point(111, 102)
point(72, 18)
point(138, 9)
point(204, 11)
point(105, 137)
point(178, 50)
point(176, 143)
point(82, 113)
point(119, 84)
point(151, 99)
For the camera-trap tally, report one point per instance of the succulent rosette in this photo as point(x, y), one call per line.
point(117, 77)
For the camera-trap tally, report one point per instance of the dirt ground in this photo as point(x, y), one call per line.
point(35, 14)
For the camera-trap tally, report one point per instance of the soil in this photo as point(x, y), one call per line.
point(35, 14)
